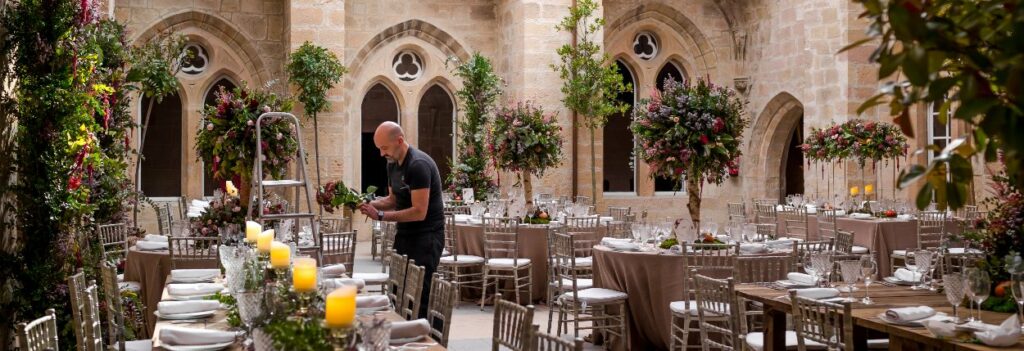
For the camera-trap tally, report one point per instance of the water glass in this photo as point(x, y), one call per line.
point(375, 334)
point(978, 285)
point(822, 263)
point(868, 268)
point(1017, 289)
point(953, 284)
point(922, 263)
point(850, 270)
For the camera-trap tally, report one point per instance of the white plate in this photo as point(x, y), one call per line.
point(188, 297)
point(913, 323)
point(211, 347)
point(899, 282)
point(192, 280)
point(789, 284)
point(191, 315)
point(406, 340)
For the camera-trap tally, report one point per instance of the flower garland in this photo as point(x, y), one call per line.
point(226, 139)
point(858, 139)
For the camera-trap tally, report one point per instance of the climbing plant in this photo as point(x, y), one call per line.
point(481, 88)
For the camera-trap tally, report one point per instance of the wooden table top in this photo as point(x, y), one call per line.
point(886, 297)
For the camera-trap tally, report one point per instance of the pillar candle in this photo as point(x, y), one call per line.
point(252, 231)
point(264, 239)
point(304, 274)
point(280, 255)
point(341, 307)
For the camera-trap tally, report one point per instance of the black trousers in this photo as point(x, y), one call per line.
point(424, 249)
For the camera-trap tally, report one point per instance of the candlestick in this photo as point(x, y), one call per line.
point(263, 241)
point(340, 308)
point(252, 231)
point(280, 255)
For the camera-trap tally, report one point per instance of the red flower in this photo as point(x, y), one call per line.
point(734, 171)
point(704, 139)
point(718, 125)
point(74, 182)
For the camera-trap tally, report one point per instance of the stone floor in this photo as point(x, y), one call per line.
point(471, 328)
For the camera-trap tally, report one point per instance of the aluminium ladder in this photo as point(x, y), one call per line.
point(301, 183)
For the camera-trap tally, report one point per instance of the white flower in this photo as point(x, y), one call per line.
point(250, 123)
point(209, 126)
point(280, 136)
point(266, 108)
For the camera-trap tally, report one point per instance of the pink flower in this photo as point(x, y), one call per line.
point(209, 126)
point(280, 136)
point(704, 139)
point(250, 123)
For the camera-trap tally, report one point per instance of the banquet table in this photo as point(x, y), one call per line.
point(150, 269)
point(865, 318)
point(533, 244)
point(880, 236)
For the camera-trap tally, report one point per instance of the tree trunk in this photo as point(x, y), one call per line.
point(593, 169)
point(693, 190)
point(316, 152)
point(138, 162)
point(527, 187)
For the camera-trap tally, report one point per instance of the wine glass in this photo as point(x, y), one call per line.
point(808, 264)
point(850, 270)
point(250, 308)
point(978, 286)
point(1017, 289)
point(868, 268)
point(954, 286)
point(922, 263)
point(822, 262)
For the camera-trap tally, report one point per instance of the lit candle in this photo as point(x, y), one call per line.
point(854, 191)
point(231, 189)
point(304, 274)
point(280, 255)
point(263, 240)
point(869, 189)
point(341, 307)
point(252, 231)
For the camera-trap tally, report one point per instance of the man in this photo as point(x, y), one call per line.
point(414, 201)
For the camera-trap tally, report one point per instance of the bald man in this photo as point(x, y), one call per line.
point(414, 201)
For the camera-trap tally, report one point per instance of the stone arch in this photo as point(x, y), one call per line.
point(395, 90)
point(769, 134)
point(705, 56)
point(216, 77)
point(215, 25)
point(634, 69)
point(415, 28)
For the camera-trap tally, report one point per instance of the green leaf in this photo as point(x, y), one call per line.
point(924, 196)
point(915, 66)
point(871, 102)
point(910, 176)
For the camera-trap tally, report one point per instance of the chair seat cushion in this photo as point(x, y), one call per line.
point(596, 295)
point(445, 252)
point(859, 250)
point(371, 278)
point(130, 286)
point(580, 284)
point(585, 261)
point(756, 342)
point(507, 262)
point(683, 307)
point(138, 345)
point(462, 259)
point(961, 251)
point(898, 253)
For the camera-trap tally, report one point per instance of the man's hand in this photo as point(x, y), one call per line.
point(369, 211)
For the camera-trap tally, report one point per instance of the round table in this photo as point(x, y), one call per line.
point(150, 269)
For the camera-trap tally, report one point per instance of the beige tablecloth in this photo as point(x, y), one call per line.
point(652, 282)
point(150, 269)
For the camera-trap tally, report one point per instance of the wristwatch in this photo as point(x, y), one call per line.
point(380, 215)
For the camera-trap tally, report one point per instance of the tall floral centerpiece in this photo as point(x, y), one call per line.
point(856, 139)
point(692, 131)
point(226, 139)
point(525, 140)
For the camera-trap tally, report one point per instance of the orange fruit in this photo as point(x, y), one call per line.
point(1002, 288)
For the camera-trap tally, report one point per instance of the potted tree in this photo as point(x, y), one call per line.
point(481, 88)
point(314, 70)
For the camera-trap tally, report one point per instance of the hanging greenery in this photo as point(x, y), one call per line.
point(525, 140)
point(691, 131)
point(481, 88)
point(314, 70)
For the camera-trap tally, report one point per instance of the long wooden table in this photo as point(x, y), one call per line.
point(865, 318)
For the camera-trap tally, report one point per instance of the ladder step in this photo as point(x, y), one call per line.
point(282, 183)
point(288, 215)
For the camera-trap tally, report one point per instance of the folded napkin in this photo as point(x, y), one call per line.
point(196, 289)
point(372, 301)
point(200, 203)
point(155, 238)
point(334, 283)
point(622, 245)
point(753, 248)
point(143, 245)
point(172, 335)
point(817, 293)
point(194, 275)
point(906, 275)
point(605, 219)
point(800, 278)
point(333, 271)
point(905, 217)
point(409, 329)
point(462, 217)
point(179, 307)
point(940, 328)
point(860, 215)
point(606, 240)
point(1006, 334)
point(781, 243)
point(906, 314)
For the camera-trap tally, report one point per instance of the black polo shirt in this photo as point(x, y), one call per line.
point(417, 171)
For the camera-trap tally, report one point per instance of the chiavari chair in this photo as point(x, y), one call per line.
point(338, 248)
point(194, 252)
point(412, 293)
point(460, 270)
point(39, 334)
point(443, 298)
point(502, 262)
point(512, 325)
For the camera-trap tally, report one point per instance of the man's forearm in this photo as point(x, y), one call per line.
point(383, 204)
point(411, 214)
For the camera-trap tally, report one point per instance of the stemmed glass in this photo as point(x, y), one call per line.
point(851, 271)
point(250, 308)
point(808, 265)
point(822, 262)
point(922, 263)
point(953, 284)
point(978, 285)
point(1017, 289)
point(868, 268)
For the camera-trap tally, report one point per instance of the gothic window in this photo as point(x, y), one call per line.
point(645, 45)
point(408, 66)
point(194, 59)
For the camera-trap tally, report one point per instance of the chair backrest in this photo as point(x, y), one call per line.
point(412, 293)
point(76, 290)
point(619, 213)
point(796, 222)
point(449, 234)
point(512, 324)
point(501, 238)
point(388, 231)
point(339, 248)
point(931, 229)
point(39, 334)
point(194, 252)
point(163, 218)
point(801, 247)
point(737, 211)
point(439, 312)
point(393, 287)
point(708, 257)
point(844, 241)
point(759, 269)
point(460, 209)
point(618, 229)
point(827, 224)
point(584, 200)
point(335, 225)
point(715, 300)
point(546, 342)
point(91, 317)
point(183, 207)
point(580, 224)
point(764, 213)
point(823, 322)
point(113, 240)
point(765, 230)
point(563, 252)
point(114, 310)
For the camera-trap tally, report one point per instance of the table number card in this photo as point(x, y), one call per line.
point(467, 195)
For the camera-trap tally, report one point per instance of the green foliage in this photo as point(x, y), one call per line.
point(856, 139)
point(963, 53)
point(314, 70)
point(230, 306)
point(335, 194)
point(481, 88)
point(155, 64)
point(298, 334)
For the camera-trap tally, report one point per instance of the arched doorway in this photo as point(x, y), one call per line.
point(774, 137)
point(619, 171)
point(162, 153)
point(209, 184)
point(792, 166)
point(670, 70)
point(436, 113)
point(379, 106)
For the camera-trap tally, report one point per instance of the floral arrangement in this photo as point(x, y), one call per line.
point(226, 139)
point(223, 212)
point(857, 139)
point(332, 195)
point(693, 131)
point(525, 140)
